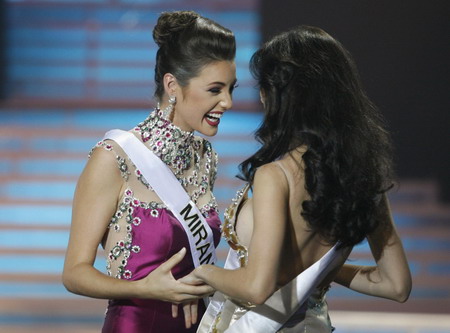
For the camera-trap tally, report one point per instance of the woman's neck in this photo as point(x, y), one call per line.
point(171, 144)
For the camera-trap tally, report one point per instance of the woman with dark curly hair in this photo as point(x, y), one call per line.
point(319, 184)
point(146, 194)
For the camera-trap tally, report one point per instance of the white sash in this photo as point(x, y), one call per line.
point(276, 311)
point(170, 191)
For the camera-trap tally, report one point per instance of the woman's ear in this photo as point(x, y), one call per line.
point(262, 97)
point(170, 84)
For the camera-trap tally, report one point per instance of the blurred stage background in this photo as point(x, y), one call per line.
point(70, 70)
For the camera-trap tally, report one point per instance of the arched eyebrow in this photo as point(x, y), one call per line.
point(223, 84)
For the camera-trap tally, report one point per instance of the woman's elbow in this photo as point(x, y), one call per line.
point(68, 282)
point(402, 290)
point(402, 293)
point(259, 295)
point(257, 299)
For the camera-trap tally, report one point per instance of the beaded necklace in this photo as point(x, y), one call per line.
point(167, 141)
point(181, 151)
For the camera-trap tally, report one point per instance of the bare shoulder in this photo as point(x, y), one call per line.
point(103, 164)
point(104, 153)
point(293, 161)
point(271, 175)
point(269, 170)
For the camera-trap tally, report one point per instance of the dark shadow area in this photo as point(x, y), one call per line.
point(401, 49)
point(3, 47)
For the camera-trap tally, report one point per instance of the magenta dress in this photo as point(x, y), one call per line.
point(143, 233)
point(159, 238)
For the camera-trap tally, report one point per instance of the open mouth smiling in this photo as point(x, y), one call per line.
point(213, 117)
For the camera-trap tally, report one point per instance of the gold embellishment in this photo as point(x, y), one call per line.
point(228, 230)
point(229, 233)
point(214, 325)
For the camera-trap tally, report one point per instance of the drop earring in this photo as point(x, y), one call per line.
point(166, 112)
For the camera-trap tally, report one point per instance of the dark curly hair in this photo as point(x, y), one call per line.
point(313, 97)
point(188, 42)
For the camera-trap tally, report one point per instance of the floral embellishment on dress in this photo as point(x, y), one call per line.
point(136, 221)
point(154, 213)
point(123, 167)
point(141, 178)
point(115, 252)
point(101, 144)
point(122, 250)
point(214, 171)
point(113, 223)
point(129, 218)
point(127, 274)
point(108, 146)
point(105, 145)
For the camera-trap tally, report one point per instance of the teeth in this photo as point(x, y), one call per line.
point(214, 115)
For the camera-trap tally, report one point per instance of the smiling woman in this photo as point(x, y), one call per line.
point(201, 104)
point(125, 209)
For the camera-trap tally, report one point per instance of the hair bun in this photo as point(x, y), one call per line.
point(170, 24)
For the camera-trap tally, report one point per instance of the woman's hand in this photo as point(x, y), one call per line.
point(190, 310)
point(160, 284)
point(193, 278)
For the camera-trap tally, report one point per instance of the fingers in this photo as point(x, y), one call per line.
point(173, 260)
point(190, 279)
point(185, 293)
point(174, 310)
point(194, 312)
point(187, 315)
point(199, 291)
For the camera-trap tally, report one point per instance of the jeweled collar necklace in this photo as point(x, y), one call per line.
point(171, 144)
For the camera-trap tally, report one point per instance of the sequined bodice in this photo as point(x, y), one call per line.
point(143, 233)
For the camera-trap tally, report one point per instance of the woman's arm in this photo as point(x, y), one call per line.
point(95, 201)
point(390, 278)
point(257, 281)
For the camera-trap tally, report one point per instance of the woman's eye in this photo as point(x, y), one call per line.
point(215, 90)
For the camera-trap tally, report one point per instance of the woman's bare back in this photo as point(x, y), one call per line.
point(302, 247)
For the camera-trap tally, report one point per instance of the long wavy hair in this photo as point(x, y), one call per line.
point(313, 97)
